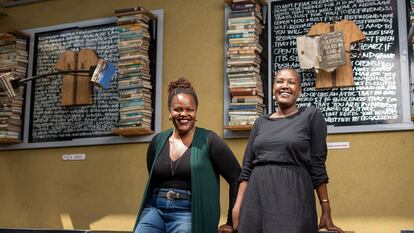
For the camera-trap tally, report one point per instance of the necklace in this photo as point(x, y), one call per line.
point(174, 152)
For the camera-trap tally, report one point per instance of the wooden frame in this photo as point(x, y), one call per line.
point(403, 73)
point(26, 144)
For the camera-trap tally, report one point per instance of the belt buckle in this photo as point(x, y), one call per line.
point(171, 195)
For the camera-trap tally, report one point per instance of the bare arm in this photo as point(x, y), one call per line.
point(248, 157)
point(326, 218)
point(238, 203)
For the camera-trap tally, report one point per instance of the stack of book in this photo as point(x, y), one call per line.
point(134, 79)
point(243, 62)
point(13, 54)
point(411, 12)
point(13, 65)
point(11, 116)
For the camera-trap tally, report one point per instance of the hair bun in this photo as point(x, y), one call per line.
point(179, 83)
point(181, 86)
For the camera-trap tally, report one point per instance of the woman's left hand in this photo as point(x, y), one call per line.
point(225, 229)
point(327, 223)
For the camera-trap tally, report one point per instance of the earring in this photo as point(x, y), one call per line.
point(169, 117)
point(274, 97)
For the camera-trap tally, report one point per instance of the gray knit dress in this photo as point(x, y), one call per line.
point(284, 161)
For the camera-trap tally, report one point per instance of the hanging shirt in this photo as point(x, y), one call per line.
point(342, 76)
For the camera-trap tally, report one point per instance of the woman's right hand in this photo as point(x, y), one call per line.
point(225, 229)
point(235, 212)
point(235, 217)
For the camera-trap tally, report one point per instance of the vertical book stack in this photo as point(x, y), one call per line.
point(13, 65)
point(411, 13)
point(133, 68)
point(244, 27)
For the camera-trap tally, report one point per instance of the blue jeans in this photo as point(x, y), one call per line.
point(162, 215)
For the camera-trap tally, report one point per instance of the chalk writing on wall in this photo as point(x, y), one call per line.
point(375, 98)
point(50, 121)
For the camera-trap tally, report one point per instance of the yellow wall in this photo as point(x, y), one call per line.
point(371, 183)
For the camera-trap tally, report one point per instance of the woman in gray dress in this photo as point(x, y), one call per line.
point(283, 164)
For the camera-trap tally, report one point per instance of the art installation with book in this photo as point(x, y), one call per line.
point(13, 65)
point(77, 79)
point(76, 88)
point(243, 63)
point(323, 52)
point(99, 73)
point(134, 77)
point(331, 34)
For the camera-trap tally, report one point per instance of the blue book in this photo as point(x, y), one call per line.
point(103, 74)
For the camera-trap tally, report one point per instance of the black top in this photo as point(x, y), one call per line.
point(222, 159)
point(297, 140)
point(172, 174)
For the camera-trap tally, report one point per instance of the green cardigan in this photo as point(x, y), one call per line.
point(205, 183)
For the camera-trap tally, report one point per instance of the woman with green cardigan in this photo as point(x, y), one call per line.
point(182, 194)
